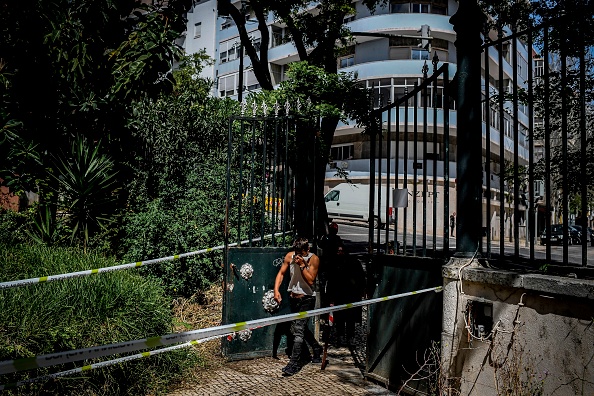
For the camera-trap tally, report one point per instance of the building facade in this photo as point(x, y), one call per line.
point(391, 67)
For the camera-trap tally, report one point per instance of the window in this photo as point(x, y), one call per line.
point(278, 36)
point(250, 81)
point(197, 29)
point(257, 42)
point(277, 72)
point(332, 196)
point(522, 67)
point(348, 18)
point(420, 8)
point(346, 61)
point(399, 8)
point(439, 7)
point(228, 51)
point(539, 68)
point(227, 85)
point(419, 54)
point(342, 152)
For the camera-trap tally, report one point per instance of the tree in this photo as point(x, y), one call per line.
point(177, 195)
point(571, 39)
point(73, 68)
point(319, 35)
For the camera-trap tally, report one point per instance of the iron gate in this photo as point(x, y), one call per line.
point(260, 217)
point(509, 184)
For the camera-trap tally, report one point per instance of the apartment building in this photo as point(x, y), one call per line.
point(390, 66)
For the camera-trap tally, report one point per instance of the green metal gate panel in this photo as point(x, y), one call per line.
point(401, 330)
point(242, 299)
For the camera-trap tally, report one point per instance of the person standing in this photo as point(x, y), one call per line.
point(347, 285)
point(452, 223)
point(303, 268)
point(329, 247)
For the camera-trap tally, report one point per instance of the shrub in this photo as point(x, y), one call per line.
point(79, 313)
point(13, 226)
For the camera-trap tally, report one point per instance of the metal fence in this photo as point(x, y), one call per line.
point(524, 187)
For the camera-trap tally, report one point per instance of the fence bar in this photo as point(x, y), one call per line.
point(379, 186)
point(435, 152)
point(584, 147)
point(415, 166)
point(565, 209)
point(405, 170)
point(240, 185)
point(501, 149)
point(372, 186)
point(531, 229)
point(468, 22)
point(547, 139)
point(446, 160)
point(388, 177)
point(516, 148)
point(397, 173)
point(487, 112)
point(425, 186)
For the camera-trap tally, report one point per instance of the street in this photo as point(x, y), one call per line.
point(358, 233)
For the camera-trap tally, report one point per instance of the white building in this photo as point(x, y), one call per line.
point(390, 66)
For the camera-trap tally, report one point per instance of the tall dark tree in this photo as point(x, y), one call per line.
point(319, 35)
point(73, 67)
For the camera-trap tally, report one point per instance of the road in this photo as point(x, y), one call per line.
point(358, 234)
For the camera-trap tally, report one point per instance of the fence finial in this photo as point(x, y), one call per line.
point(425, 70)
point(265, 109)
point(254, 108)
point(276, 108)
point(243, 104)
point(287, 107)
point(435, 61)
point(298, 105)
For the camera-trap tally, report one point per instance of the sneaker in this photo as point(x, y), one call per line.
point(291, 369)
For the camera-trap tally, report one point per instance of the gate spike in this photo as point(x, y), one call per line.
point(435, 61)
point(287, 107)
point(308, 102)
point(265, 109)
point(425, 70)
point(298, 105)
point(243, 108)
point(276, 108)
point(254, 108)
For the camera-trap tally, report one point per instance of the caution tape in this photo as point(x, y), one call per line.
point(11, 366)
point(103, 364)
point(50, 278)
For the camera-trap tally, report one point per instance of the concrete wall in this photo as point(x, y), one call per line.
point(505, 331)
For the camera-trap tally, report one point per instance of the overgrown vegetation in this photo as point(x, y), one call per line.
point(83, 312)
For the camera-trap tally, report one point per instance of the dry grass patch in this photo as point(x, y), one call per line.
point(200, 311)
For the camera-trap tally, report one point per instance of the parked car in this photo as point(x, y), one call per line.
point(589, 237)
point(575, 234)
point(556, 237)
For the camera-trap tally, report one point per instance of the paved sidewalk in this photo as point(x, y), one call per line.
point(263, 377)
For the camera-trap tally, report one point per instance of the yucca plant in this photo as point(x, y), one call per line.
point(46, 229)
point(86, 187)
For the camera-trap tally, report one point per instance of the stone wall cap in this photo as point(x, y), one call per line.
point(550, 284)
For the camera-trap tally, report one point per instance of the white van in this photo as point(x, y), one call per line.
point(351, 202)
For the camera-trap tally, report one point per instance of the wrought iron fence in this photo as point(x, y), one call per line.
point(266, 165)
point(417, 121)
point(536, 155)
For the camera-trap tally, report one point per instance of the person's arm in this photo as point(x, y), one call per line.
point(280, 276)
point(309, 271)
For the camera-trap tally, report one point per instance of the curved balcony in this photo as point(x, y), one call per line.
point(391, 23)
point(392, 68)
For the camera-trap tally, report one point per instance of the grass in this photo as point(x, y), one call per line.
point(83, 312)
